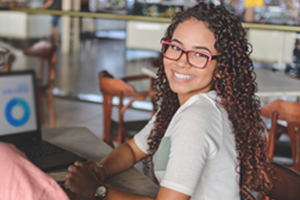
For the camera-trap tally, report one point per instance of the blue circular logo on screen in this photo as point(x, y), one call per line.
point(9, 108)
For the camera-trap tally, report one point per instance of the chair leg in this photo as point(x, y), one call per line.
point(107, 109)
point(51, 109)
point(41, 107)
point(110, 143)
point(153, 174)
point(120, 139)
point(263, 197)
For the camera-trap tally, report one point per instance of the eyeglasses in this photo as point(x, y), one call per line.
point(194, 58)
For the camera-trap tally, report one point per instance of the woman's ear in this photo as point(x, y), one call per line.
point(218, 74)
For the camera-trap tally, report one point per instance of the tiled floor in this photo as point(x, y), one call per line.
point(77, 72)
point(70, 113)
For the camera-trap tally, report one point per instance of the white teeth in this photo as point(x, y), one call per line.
point(183, 76)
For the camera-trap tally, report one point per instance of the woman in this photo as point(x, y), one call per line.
point(205, 138)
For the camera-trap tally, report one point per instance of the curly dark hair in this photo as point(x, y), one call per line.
point(236, 87)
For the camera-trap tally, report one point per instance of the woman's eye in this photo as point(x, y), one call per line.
point(198, 54)
point(176, 48)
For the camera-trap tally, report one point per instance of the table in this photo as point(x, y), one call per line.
point(82, 141)
point(276, 84)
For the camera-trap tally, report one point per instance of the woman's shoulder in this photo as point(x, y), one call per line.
point(200, 114)
point(200, 110)
point(202, 103)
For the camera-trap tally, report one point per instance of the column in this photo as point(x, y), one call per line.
point(76, 27)
point(66, 27)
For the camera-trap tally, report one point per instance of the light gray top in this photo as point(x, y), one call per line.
point(197, 155)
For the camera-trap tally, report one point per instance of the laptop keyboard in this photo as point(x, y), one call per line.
point(40, 150)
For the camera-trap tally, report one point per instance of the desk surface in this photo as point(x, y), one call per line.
point(82, 141)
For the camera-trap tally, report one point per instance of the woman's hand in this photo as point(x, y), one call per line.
point(82, 179)
point(100, 173)
point(70, 194)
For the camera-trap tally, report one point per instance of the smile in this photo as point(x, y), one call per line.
point(182, 76)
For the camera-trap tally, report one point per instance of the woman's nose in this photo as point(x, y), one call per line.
point(183, 60)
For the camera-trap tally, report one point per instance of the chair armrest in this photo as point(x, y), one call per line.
point(41, 49)
point(281, 130)
point(137, 97)
point(246, 194)
point(135, 78)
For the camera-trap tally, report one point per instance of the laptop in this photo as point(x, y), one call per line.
point(20, 125)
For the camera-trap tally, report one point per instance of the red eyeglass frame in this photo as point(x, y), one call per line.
point(168, 42)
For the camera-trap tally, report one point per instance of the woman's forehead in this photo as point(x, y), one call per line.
point(192, 33)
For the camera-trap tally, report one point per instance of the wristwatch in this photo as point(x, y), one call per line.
point(101, 191)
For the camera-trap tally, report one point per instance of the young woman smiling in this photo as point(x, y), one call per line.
point(205, 140)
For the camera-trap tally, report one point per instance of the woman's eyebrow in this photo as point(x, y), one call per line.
point(204, 48)
point(196, 47)
point(175, 40)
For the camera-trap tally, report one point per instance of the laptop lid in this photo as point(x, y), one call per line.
point(19, 121)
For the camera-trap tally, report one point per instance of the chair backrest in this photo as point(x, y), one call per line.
point(286, 183)
point(114, 87)
point(6, 59)
point(47, 54)
point(289, 112)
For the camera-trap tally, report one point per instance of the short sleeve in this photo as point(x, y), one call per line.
point(196, 135)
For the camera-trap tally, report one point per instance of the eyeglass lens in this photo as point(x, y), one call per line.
point(195, 58)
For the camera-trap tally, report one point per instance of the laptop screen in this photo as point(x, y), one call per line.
point(18, 106)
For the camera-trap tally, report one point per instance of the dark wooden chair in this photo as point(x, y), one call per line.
point(289, 112)
point(47, 54)
point(285, 182)
point(6, 59)
point(110, 87)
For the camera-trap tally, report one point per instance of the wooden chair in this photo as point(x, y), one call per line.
point(111, 87)
point(6, 59)
point(285, 182)
point(289, 112)
point(47, 54)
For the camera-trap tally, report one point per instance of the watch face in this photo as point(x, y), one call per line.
point(101, 191)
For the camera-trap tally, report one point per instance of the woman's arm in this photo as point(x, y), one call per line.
point(84, 179)
point(121, 158)
point(163, 194)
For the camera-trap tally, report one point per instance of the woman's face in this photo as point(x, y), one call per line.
point(184, 79)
